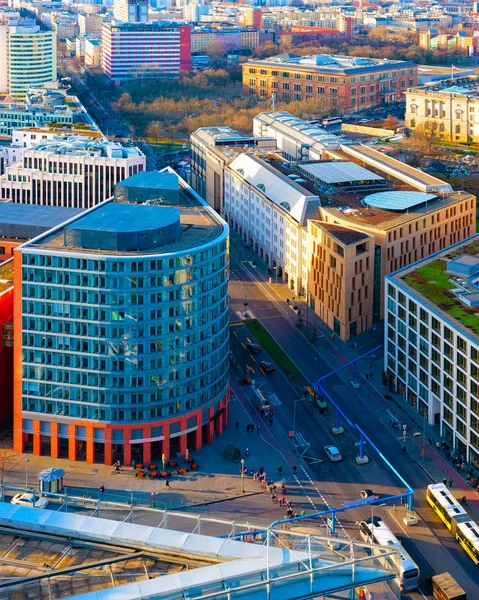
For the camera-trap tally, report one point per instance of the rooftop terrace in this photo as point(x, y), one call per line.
point(437, 281)
point(6, 275)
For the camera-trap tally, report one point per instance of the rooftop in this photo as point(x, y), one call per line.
point(459, 86)
point(81, 145)
point(333, 63)
point(140, 221)
point(343, 234)
point(340, 172)
point(449, 282)
point(25, 221)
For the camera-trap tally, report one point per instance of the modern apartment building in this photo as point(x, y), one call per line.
point(450, 107)
point(270, 210)
point(149, 50)
point(131, 11)
point(29, 57)
point(212, 148)
point(121, 328)
point(432, 342)
point(336, 82)
point(76, 172)
point(298, 140)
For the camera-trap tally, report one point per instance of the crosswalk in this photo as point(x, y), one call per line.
point(272, 399)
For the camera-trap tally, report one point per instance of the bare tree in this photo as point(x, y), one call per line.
point(390, 122)
point(154, 130)
point(425, 134)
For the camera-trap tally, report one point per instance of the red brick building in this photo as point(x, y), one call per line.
point(345, 83)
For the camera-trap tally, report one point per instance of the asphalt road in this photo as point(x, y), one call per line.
point(366, 407)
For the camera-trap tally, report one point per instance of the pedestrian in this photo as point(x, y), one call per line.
point(430, 440)
point(133, 462)
point(471, 471)
point(450, 482)
point(464, 501)
point(403, 449)
point(252, 427)
point(303, 513)
point(271, 422)
point(102, 489)
point(438, 445)
point(444, 481)
point(468, 479)
point(294, 468)
point(246, 452)
point(280, 470)
point(255, 477)
point(167, 485)
point(257, 429)
point(463, 466)
point(261, 470)
point(261, 414)
point(448, 454)
point(247, 428)
point(237, 424)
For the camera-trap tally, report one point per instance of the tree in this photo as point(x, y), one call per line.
point(424, 135)
point(390, 122)
point(7, 459)
point(266, 49)
point(154, 130)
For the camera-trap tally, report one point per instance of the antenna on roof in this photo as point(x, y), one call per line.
point(273, 101)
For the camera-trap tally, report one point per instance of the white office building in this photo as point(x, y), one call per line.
point(432, 342)
point(296, 138)
point(270, 211)
point(77, 172)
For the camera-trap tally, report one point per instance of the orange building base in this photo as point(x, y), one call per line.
point(104, 443)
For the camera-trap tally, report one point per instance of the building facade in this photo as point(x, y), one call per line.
point(338, 82)
point(270, 211)
point(341, 277)
point(121, 328)
point(29, 58)
point(450, 110)
point(149, 50)
point(77, 172)
point(432, 342)
point(212, 148)
point(131, 11)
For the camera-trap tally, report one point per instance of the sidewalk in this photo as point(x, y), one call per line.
point(217, 479)
point(336, 353)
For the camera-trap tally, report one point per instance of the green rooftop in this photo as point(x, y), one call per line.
point(434, 283)
point(6, 275)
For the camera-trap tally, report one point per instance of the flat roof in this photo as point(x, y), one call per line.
point(397, 201)
point(343, 234)
point(340, 172)
point(12, 213)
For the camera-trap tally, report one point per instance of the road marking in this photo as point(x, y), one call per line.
point(306, 494)
point(241, 315)
point(338, 523)
point(300, 439)
point(272, 399)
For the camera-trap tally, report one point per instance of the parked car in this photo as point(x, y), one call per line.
point(31, 500)
point(267, 366)
point(333, 453)
point(254, 348)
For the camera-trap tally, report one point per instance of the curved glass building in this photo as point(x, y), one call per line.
point(121, 328)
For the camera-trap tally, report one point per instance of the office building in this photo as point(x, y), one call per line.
point(90, 23)
point(41, 106)
point(92, 51)
point(29, 58)
point(450, 107)
point(432, 342)
point(337, 82)
point(297, 139)
point(122, 348)
point(212, 148)
point(131, 11)
point(76, 172)
point(149, 50)
point(335, 228)
point(270, 211)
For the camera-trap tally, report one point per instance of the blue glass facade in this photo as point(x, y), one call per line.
point(123, 339)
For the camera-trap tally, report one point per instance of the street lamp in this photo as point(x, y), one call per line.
point(372, 518)
point(294, 413)
point(27, 460)
point(242, 475)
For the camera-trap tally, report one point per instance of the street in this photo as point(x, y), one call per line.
point(339, 482)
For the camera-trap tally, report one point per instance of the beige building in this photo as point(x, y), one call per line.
point(452, 106)
point(341, 280)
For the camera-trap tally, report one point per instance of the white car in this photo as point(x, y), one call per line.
point(333, 453)
point(31, 500)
